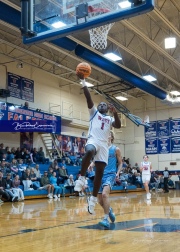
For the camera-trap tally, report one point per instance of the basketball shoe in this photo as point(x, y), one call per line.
point(111, 215)
point(80, 183)
point(105, 223)
point(91, 204)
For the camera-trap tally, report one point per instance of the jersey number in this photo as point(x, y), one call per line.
point(102, 126)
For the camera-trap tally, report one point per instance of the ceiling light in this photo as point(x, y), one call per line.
point(170, 43)
point(58, 24)
point(175, 93)
point(149, 78)
point(88, 84)
point(125, 4)
point(121, 98)
point(112, 56)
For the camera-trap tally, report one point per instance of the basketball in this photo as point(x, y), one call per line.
point(84, 68)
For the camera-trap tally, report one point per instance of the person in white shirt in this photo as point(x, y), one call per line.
point(97, 144)
point(146, 168)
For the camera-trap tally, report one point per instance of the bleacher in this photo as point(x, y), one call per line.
point(74, 171)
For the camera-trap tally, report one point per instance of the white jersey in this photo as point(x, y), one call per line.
point(146, 168)
point(100, 125)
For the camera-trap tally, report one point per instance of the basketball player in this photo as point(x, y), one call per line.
point(146, 169)
point(108, 181)
point(97, 144)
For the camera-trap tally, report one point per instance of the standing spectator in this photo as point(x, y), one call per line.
point(166, 176)
point(97, 144)
point(16, 184)
point(146, 168)
point(41, 156)
point(45, 183)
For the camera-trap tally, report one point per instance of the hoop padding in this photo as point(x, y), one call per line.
point(98, 36)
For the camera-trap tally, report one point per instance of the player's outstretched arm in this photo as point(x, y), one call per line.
point(87, 94)
point(117, 122)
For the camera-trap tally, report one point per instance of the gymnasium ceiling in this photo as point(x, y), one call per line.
point(139, 40)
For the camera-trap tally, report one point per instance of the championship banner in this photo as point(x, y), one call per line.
point(152, 130)
point(18, 119)
point(164, 145)
point(20, 87)
point(175, 144)
point(151, 146)
point(175, 127)
point(163, 128)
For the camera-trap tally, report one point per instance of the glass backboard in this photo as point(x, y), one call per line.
point(53, 19)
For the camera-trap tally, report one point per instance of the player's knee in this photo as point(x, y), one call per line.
point(104, 195)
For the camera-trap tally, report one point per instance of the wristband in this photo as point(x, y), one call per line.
point(83, 83)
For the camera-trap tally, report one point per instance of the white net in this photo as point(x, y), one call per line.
point(98, 36)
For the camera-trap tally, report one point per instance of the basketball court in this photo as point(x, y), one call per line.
point(65, 225)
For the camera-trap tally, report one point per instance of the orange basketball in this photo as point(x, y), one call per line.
point(84, 68)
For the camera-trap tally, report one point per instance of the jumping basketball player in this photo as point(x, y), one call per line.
point(108, 181)
point(146, 169)
point(97, 144)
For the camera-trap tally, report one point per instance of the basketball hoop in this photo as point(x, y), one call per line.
point(98, 35)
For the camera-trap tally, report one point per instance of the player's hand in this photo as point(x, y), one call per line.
point(80, 75)
point(111, 108)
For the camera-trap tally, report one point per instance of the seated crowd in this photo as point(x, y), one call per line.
point(16, 168)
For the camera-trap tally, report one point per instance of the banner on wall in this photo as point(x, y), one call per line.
point(151, 146)
point(163, 128)
point(175, 144)
point(152, 130)
point(20, 87)
point(175, 127)
point(18, 119)
point(164, 145)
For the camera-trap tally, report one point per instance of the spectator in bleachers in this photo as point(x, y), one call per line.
point(161, 184)
point(4, 158)
point(123, 179)
point(18, 153)
point(37, 172)
point(63, 164)
point(170, 183)
point(21, 167)
point(34, 179)
point(16, 183)
point(26, 175)
point(34, 153)
point(70, 184)
point(85, 187)
point(2, 151)
point(9, 188)
point(45, 185)
point(154, 182)
point(53, 164)
point(10, 154)
point(63, 174)
point(26, 157)
point(5, 196)
point(50, 172)
point(41, 156)
point(14, 167)
point(57, 189)
point(5, 168)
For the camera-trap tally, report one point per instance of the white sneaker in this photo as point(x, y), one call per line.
point(55, 196)
point(148, 196)
point(59, 195)
point(49, 196)
point(91, 204)
point(80, 183)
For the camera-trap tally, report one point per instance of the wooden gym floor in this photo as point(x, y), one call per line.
point(65, 225)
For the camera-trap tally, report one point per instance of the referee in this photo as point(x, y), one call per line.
point(166, 176)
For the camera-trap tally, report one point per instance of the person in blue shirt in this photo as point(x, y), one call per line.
point(111, 171)
point(57, 189)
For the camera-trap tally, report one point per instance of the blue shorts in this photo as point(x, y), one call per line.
point(107, 180)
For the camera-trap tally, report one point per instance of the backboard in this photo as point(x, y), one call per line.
point(50, 19)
